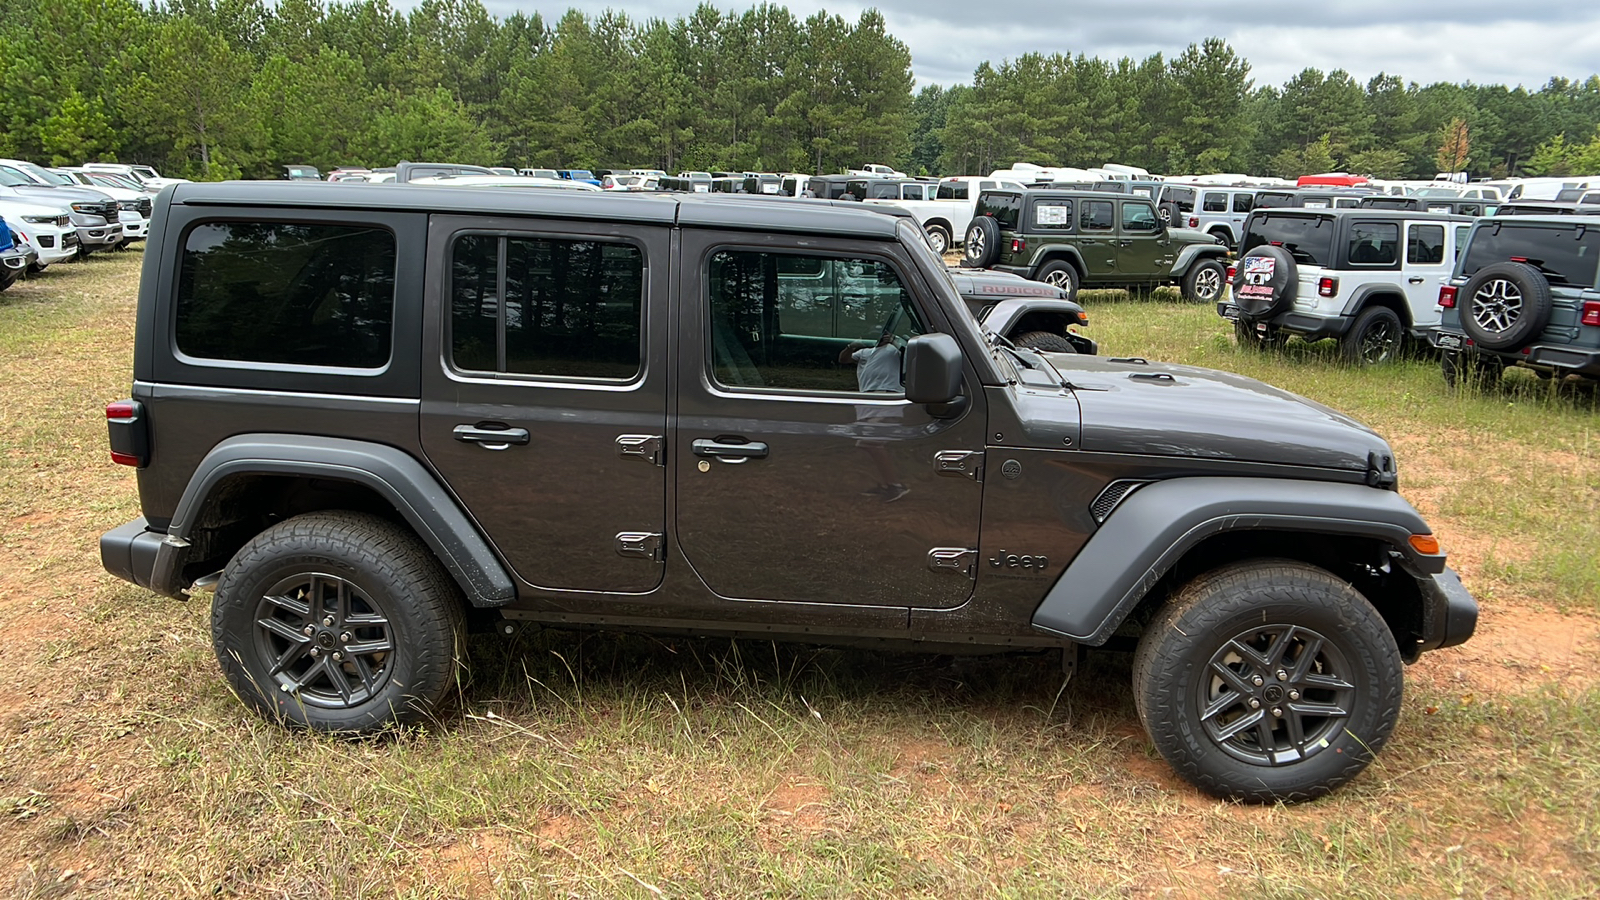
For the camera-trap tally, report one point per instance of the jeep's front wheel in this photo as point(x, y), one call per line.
point(1268, 680)
point(1203, 283)
point(337, 622)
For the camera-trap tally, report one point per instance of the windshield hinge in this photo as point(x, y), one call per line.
point(959, 462)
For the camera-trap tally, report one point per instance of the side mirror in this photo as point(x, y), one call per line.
point(933, 370)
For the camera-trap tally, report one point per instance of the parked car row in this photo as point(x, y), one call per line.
point(48, 215)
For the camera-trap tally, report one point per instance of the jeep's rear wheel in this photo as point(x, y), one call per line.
point(1374, 338)
point(338, 622)
point(1268, 680)
point(1060, 273)
point(1204, 282)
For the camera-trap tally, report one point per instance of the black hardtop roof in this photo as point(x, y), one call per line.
point(1365, 212)
point(736, 211)
point(1585, 219)
point(1067, 193)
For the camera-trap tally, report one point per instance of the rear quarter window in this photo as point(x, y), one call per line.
point(287, 293)
point(1005, 208)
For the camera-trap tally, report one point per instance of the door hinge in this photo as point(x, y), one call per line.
point(644, 544)
point(644, 446)
point(959, 462)
point(954, 559)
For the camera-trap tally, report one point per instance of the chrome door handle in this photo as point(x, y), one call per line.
point(730, 452)
point(490, 438)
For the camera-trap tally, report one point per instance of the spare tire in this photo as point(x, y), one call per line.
point(1264, 282)
point(1505, 305)
point(983, 243)
point(1047, 341)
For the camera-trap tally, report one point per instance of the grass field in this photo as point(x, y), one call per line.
point(599, 766)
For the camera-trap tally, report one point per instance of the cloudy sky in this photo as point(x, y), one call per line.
point(1485, 41)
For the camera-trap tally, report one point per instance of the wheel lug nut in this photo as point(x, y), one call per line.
point(1277, 713)
point(309, 630)
point(316, 651)
point(1258, 681)
point(1254, 703)
point(346, 638)
point(1282, 675)
point(1294, 695)
point(338, 655)
point(327, 621)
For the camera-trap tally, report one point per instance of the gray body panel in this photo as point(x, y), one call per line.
point(1157, 523)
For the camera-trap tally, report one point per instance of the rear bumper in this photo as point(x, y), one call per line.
point(1309, 326)
point(1563, 358)
point(133, 552)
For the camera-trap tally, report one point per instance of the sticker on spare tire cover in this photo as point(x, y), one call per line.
point(1258, 272)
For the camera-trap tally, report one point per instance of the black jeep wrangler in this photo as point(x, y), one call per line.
point(1092, 239)
point(365, 415)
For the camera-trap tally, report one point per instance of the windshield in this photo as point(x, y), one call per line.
point(45, 175)
point(916, 241)
point(1309, 239)
point(1565, 254)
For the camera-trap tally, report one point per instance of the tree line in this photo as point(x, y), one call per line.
point(230, 88)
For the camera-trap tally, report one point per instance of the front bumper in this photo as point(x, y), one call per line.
point(1565, 359)
point(55, 246)
point(1449, 612)
point(99, 237)
point(134, 226)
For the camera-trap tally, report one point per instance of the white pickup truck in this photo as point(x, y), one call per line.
point(945, 221)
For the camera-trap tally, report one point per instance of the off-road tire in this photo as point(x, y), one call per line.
point(1048, 341)
point(1060, 273)
point(938, 238)
point(1204, 282)
point(982, 243)
point(1224, 237)
point(376, 572)
point(1376, 337)
point(1329, 635)
point(1505, 305)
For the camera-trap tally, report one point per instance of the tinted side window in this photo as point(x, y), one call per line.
point(799, 322)
point(278, 292)
point(1425, 244)
point(1052, 215)
point(1097, 215)
point(1374, 243)
point(1004, 207)
point(1242, 203)
point(1214, 202)
point(571, 308)
point(1566, 255)
point(956, 190)
point(1139, 218)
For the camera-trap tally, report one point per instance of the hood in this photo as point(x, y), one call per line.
point(1191, 236)
point(1158, 409)
point(12, 205)
point(991, 285)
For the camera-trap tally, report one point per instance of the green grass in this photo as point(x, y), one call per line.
point(601, 765)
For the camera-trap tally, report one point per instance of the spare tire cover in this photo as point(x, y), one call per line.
point(1265, 281)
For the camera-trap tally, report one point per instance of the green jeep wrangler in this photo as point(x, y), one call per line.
point(1089, 238)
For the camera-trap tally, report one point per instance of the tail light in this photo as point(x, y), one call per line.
point(1233, 272)
point(1591, 312)
point(130, 435)
point(1447, 296)
point(1327, 286)
point(1194, 221)
point(1018, 245)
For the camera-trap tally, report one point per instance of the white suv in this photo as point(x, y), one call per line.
point(1369, 278)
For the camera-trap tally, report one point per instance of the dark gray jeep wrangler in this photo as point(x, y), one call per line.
point(366, 414)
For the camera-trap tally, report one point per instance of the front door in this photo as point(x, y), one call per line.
point(545, 407)
point(1144, 251)
point(801, 472)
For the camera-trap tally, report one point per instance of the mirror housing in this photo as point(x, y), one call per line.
point(933, 370)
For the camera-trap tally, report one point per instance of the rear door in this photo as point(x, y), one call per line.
point(1098, 238)
point(801, 472)
point(544, 404)
point(1429, 260)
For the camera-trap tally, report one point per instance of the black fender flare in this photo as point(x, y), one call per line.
point(392, 473)
point(1189, 254)
point(1055, 252)
point(1362, 297)
point(1158, 523)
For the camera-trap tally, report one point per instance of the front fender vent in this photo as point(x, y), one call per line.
point(1114, 494)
